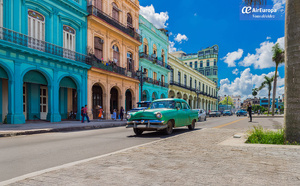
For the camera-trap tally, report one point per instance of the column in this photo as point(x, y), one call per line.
point(53, 100)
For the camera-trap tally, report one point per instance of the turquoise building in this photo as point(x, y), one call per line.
point(43, 66)
point(153, 61)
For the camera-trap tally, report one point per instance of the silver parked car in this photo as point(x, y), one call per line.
point(201, 115)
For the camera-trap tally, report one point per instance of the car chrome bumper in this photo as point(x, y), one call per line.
point(147, 124)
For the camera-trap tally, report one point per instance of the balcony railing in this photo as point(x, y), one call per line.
point(155, 60)
point(110, 66)
point(156, 82)
point(126, 29)
point(43, 46)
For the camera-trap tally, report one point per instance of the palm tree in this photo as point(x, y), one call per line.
point(278, 58)
point(254, 92)
point(268, 82)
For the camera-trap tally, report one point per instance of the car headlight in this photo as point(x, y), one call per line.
point(128, 116)
point(158, 115)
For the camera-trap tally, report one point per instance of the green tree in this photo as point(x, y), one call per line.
point(224, 101)
point(278, 58)
point(267, 83)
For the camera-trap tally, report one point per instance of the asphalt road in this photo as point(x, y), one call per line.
point(26, 154)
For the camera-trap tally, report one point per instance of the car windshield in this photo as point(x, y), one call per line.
point(163, 104)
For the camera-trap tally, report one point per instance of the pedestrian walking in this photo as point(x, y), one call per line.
point(100, 112)
point(249, 109)
point(114, 114)
point(121, 113)
point(84, 114)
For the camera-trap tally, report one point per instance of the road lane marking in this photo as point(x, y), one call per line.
point(224, 125)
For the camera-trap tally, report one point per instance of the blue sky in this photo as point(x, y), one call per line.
point(245, 45)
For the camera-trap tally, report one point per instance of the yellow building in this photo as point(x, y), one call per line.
point(188, 84)
point(113, 43)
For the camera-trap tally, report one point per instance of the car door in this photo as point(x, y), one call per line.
point(187, 111)
point(179, 116)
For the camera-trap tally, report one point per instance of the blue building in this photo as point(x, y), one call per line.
point(264, 102)
point(43, 66)
point(153, 61)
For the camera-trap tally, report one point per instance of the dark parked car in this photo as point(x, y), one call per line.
point(241, 113)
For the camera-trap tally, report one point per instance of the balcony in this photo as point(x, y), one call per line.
point(43, 46)
point(111, 67)
point(156, 82)
point(154, 60)
point(92, 10)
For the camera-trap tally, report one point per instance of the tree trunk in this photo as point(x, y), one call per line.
point(274, 91)
point(292, 67)
point(269, 95)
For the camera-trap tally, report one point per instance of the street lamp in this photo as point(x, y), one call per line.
point(140, 75)
point(197, 92)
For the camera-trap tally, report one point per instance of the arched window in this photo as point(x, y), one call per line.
point(191, 64)
point(116, 54)
point(129, 21)
point(36, 30)
point(69, 37)
point(145, 46)
point(130, 64)
point(163, 55)
point(98, 47)
point(98, 4)
point(154, 51)
point(115, 12)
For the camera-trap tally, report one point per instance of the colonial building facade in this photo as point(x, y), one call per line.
point(43, 66)
point(153, 61)
point(205, 61)
point(113, 44)
point(188, 84)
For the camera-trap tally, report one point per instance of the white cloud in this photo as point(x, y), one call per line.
point(263, 56)
point(172, 47)
point(243, 85)
point(279, 4)
point(230, 58)
point(159, 20)
point(235, 71)
point(268, 38)
point(179, 38)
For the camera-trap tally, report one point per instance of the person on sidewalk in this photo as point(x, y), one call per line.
point(121, 113)
point(100, 113)
point(84, 112)
point(114, 115)
point(249, 109)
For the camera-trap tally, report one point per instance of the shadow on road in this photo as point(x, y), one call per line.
point(160, 134)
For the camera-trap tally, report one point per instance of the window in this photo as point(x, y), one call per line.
point(98, 47)
point(69, 38)
point(116, 54)
point(185, 106)
point(207, 63)
point(191, 64)
point(215, 72)
point(203, 87)
point(199, 85)
point(195, 83)
point(179, 77)
point(215, 62)
point(191, 81)
point(201, 64)
point(130, 65)
point(196, 64)
point(184, 80)
point(36, 30)
point(207, 73)
point(146, 72)
point(129, 21)
point(1, 13)
point(172, 75)
point(145, 46)
point(186, 63)
point(163, 56)
point(115, 12)
point(154, 76)
point(178, 105)
point(162, 79)
point(154, 51)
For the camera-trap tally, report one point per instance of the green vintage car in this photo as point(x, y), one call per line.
point(163, 115)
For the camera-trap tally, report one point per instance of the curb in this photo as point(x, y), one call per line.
point(267, 116)
point(41, 131)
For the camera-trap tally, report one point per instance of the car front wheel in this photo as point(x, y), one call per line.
point(192, 126)
point(138, 131)
point(169, 128)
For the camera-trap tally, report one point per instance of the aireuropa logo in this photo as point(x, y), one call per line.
point(267, 12)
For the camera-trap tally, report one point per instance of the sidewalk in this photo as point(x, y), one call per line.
point(36, 127)
point(201, 157)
